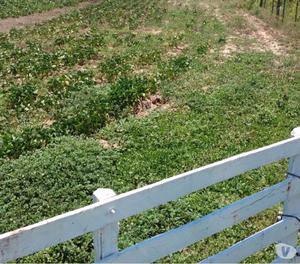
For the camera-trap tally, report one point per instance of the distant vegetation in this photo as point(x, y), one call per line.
point(16, 8)
point(283, 9)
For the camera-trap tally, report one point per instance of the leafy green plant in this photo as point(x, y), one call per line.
point(128, 91)
point(92, 108)
point(61, 86)
point(21, 97)
point(175, 66)
point(203, 48)
point(83, 113)
point(15, 8)
point(13, 144)
point(115, 67)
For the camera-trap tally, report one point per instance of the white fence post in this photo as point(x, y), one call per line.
point(292, 203)
point(106, 238)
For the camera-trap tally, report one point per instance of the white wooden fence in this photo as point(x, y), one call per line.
point(103, 215)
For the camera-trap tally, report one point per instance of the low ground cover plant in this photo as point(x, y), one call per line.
point(15, 8)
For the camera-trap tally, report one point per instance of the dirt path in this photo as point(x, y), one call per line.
point(256, 35)
point(19, 22)
point(264, 34)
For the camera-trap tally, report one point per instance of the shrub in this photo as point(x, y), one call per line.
point(13, 144)
point(171, 68)
point(91, 109)
point(115, 67)
point(128, 91)
point(21, 97)
point(83, 112)
point(62, 85)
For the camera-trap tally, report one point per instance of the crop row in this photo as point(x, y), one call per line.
point(15, 8)
point(79, 107)
point(46, 96)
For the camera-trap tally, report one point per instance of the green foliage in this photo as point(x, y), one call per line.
point(127, 13)
point(34, 61)
point(61, 86)
point(15, 8)
point(13, 144)
point(127, 92)
point(83, 113)
point(202, 48)
point(34, 185)
point(115, 67)
point(175, 66)
point(21, 97)
point(91, 109)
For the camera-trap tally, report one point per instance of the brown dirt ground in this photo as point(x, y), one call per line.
point(149, 104)
point(265, 38)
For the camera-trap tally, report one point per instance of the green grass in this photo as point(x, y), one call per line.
point(218, 107)
point(15, 8)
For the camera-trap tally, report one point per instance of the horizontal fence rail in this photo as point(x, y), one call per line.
point(255, 243)
point(176, 239)
point(30, 239)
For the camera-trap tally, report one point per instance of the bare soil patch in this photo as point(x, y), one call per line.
point(48, 122)
point(107, 145)
point(19, 22)
point(177, 50)
point(149, 30)
point(264, 34)
point(257, 36)
point(143, 70)
point(152, 102)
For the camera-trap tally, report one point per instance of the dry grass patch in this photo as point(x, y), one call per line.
point(108, 145)
point(177, 50)
point(149, 30)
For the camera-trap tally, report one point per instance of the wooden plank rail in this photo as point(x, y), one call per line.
point(255, 243)
point(30, 239)
point(162, 245)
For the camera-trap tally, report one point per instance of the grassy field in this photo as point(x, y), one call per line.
point(15, 8)
point(73, 97)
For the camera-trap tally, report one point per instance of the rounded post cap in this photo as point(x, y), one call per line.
point(103, 194)
point(295, 132)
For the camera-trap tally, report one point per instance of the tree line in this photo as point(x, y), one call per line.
point(279, 7)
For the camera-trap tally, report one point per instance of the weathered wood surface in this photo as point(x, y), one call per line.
point(255, 243)
point(292, 201)
point(33, 238)
point(105, 238)
point(164, 244)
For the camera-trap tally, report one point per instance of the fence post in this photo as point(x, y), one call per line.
point(292, 202)
point(106, 238)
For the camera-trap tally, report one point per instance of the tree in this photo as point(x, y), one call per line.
point(261, 3)
point(278, 7)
